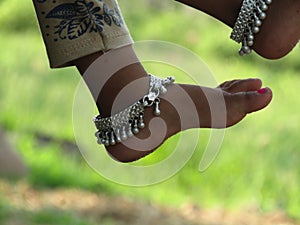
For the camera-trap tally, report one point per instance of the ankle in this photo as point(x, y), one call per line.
point(117, 81)
point(122, 89)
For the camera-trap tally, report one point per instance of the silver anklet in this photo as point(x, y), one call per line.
point(248, 23)
point(123, 125)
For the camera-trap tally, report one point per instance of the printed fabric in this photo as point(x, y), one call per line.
point(72, 29)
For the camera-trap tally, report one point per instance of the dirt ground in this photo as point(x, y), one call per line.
point(126, 211)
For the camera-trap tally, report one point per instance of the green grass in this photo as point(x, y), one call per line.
point(49, 216)
point(258, 164)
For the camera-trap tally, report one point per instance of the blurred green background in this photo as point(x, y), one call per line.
point(257, 167)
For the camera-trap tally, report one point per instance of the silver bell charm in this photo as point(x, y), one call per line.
point(135, 129)
point(268, 2)
point(124, 134)
point(112, 139)
point(118, 138)
point(141, 123)
point(129, 132)
point(156, 109)
point(99, 140)
point(106, 142)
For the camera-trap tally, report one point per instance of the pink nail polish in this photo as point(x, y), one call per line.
point(262, 91)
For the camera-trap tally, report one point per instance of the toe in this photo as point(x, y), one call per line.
point(246, 85)
point(257, 100)
point(242, 103)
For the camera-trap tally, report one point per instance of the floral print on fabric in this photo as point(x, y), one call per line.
point(82, 17)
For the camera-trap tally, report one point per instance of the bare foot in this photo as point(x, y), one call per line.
point(182, 107)
point(241, 97)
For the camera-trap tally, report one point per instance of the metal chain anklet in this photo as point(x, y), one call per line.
point(123, 125)
point(248, 23)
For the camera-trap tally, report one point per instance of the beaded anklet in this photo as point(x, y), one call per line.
point(248, 23)
point(125, 124)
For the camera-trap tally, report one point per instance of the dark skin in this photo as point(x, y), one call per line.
point(279, 33)
point(241, 96)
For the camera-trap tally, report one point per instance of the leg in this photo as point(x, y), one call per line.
point(81, 48)
point(241, 97)
point(279, 33)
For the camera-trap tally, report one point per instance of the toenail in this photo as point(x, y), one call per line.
point(262, 91)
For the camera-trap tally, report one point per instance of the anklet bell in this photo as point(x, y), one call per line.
point(248, 23)
point(127, 123)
